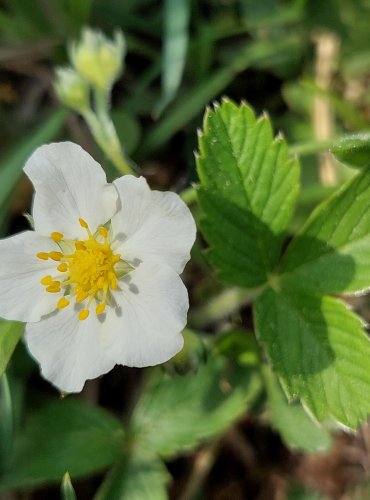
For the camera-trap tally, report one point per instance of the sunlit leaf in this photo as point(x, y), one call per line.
point(331, 252)
point(353, 150)
point(320, 352)
point(296, 428)
point(248, 189)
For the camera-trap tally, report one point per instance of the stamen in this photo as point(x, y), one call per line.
point(103, 232)
point(62, 303)
point(54, 287)
point(42, 255)
point(55, 255)
point(100, 308)
point(46, 280)
point(83, 314)
point(56, 236)
point(89, 270)
point(81, 296)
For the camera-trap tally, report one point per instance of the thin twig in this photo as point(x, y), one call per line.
point(202, 465)
point(327, 49)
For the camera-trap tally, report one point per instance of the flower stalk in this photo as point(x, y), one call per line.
point(97, 62)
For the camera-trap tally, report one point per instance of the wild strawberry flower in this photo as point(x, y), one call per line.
point(97, 281)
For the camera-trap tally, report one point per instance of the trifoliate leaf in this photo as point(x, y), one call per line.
point(319, 351)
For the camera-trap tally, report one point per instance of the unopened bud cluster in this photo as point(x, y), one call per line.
point(97, 62)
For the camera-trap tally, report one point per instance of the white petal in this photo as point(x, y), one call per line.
point(152, 225)
point(68, 350)
point(143, 330)
point(151, 314)
point(69, 184)
point(22, 297)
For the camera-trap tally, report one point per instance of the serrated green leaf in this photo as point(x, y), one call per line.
point(10, 333)
point(66, 435)
point(176, 413)
point(241, 161)
point(331, 252)
point(141, 476)
point(248, 190)
point(296, 428)
point(242, 248)
point(353, 150)
point(319, 351)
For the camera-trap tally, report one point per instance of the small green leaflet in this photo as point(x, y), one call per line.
point(175, 414)
point(296, 428)
point(242, 247)
point(248, 189)
point(66, 435)
point(140, 476)
point(320, 352)
point(241, 161)
point(331, 254)
point(354, 150)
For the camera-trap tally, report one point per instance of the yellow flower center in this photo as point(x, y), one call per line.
point(87, 273)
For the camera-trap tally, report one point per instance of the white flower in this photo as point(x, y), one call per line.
point(98, 280)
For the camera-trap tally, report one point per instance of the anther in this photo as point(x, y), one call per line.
point(63, 267)
point(55, 255)
point(103, 232)
point(83, 223)
point(42, 255)
point(62, 303)
point(47, 280)
point(100, 308)
point(54, 287)
point(56, 236)
point(83, 314)
point(81, 296)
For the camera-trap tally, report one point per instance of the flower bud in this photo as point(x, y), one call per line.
point(97, 58)
point(72, 89)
